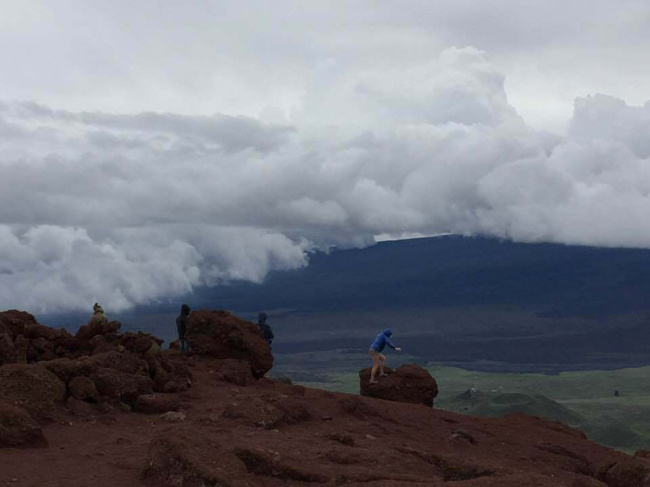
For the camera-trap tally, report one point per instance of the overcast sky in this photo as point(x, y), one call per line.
point(150, 147)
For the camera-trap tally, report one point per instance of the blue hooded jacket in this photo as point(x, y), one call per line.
point(382, 340)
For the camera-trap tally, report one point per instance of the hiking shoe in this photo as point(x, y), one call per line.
point(373, 382)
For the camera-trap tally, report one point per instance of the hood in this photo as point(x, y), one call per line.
point(387, 332)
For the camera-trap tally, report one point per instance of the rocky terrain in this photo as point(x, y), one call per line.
point(121, 412)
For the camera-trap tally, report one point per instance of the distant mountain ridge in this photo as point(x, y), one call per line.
point(453, 299)
point(455, 271)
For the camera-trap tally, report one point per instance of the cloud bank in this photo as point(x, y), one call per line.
point(128, 209)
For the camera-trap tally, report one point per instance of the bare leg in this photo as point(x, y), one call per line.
point(382, 362)
point(375, 365)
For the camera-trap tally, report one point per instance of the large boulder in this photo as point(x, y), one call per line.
point(221, 335)
point(34, 388)
point(18, 429)
point(409, 383)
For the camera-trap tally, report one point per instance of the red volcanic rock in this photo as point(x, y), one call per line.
point(139, 342)
point(409, 383)
point(14, 321)
point(272, 434)
point(169, 376)
point(79, 408)
point(12, 326)
point(156, 403)
point(123, 386)
point(128, 363)
point(269, 411)
point(83, 388)
point(234, 371)
point(221, 335)
point(34, 388)
point(179, 458)
point(18, 429)
point(629, 472)
point(94, 328)
point(8, 353)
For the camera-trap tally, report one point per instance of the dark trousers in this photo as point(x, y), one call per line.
point(185, 345)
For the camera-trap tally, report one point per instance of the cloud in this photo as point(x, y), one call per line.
point(128, 209)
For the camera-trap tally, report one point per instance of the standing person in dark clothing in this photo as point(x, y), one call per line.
point(181, 326)
point(266, 329)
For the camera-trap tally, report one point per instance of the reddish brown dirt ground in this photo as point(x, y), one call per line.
point(271, 434)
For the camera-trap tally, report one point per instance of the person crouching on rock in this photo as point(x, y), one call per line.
point(265, 328)
point(98, 317)
point(378, 358)
point(181, 326)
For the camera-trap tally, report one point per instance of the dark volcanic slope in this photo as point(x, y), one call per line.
point(270, 434)
point(456, 271)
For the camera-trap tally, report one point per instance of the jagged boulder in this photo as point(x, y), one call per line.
point(18, 429)
point(409, 383)
point(34, 388)
point(221, 335)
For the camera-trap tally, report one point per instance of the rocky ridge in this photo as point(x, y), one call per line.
point(233, 429)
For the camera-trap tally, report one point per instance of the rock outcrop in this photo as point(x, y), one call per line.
point(46, 374)
point(24, 340)
point(221, 335)
point(409, 383)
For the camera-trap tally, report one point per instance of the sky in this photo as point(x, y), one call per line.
point(148, 148)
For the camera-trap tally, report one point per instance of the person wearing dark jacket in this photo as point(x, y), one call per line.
point(181, 326)
point(378, 358)
point(265, 328)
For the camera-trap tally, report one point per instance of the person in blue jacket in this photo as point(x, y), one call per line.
point(378, 358)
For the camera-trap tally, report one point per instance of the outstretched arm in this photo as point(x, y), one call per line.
point(390, 344)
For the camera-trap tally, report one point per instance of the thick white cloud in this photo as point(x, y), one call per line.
point(132, 208)
point(234, 57)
